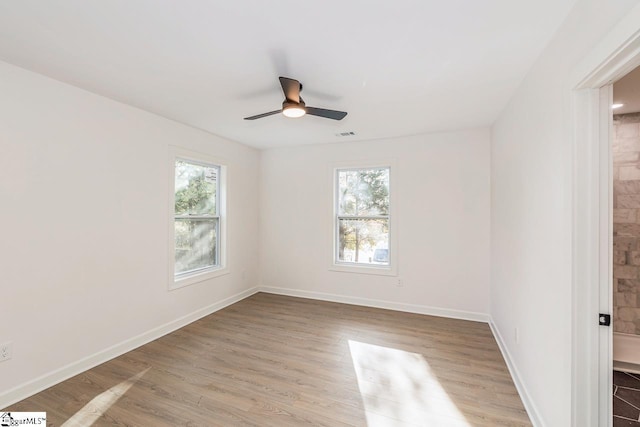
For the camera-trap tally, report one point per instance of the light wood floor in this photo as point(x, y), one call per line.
point(281, 361)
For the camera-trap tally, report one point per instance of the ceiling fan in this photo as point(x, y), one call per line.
point(294, 106)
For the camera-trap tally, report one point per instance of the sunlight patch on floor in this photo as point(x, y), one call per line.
point(399, 388)
point(100, 404)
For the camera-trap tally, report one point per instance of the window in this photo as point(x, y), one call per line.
point(362, 220)
point(197, 223)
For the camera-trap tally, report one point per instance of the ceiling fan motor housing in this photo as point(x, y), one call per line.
point(292, 104)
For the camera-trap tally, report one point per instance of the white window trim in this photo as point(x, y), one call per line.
point(380, 270)
point(222, 267)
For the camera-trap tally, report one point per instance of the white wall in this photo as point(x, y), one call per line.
point(531, 214)
point(442, 212)
point(84, 221)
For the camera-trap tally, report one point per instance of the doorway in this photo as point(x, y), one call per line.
point(592, 243)
point(625, 223)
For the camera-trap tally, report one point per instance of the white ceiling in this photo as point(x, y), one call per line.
point(397, 67)
point(626, 91)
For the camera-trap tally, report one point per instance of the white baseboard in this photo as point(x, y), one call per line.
point(532, 410)
point(389, 305)
point(626, 367)
point(45, 381)
point(626, 348)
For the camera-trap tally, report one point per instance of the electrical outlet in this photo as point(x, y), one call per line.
point(5, 351)
point(399, 283)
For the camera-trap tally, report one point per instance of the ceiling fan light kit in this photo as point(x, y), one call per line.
point(293, 106)
point(293, 110)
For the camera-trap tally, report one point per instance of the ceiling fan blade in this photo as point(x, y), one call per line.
point(291, 89)
point(327, 114)
point(259, 116)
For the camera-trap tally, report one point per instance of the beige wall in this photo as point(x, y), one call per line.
point(441, 210)
point(84, 188)
point(532, 185)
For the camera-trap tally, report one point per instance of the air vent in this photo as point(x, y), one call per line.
point(345, 134)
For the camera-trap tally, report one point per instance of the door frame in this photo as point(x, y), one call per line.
point(592, 290)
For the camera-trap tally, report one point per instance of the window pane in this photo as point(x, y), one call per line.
point(195, 189)
point(364, 241)
point(195, 244)
point(363, 192)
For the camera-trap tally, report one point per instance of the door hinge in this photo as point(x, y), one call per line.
point(605, 319)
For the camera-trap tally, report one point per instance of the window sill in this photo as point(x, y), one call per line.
point(364, 269)
point(197, 278)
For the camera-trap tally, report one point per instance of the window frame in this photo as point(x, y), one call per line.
point(206, 273)
point(351, 267)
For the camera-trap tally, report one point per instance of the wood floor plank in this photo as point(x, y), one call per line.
point(273, 360)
